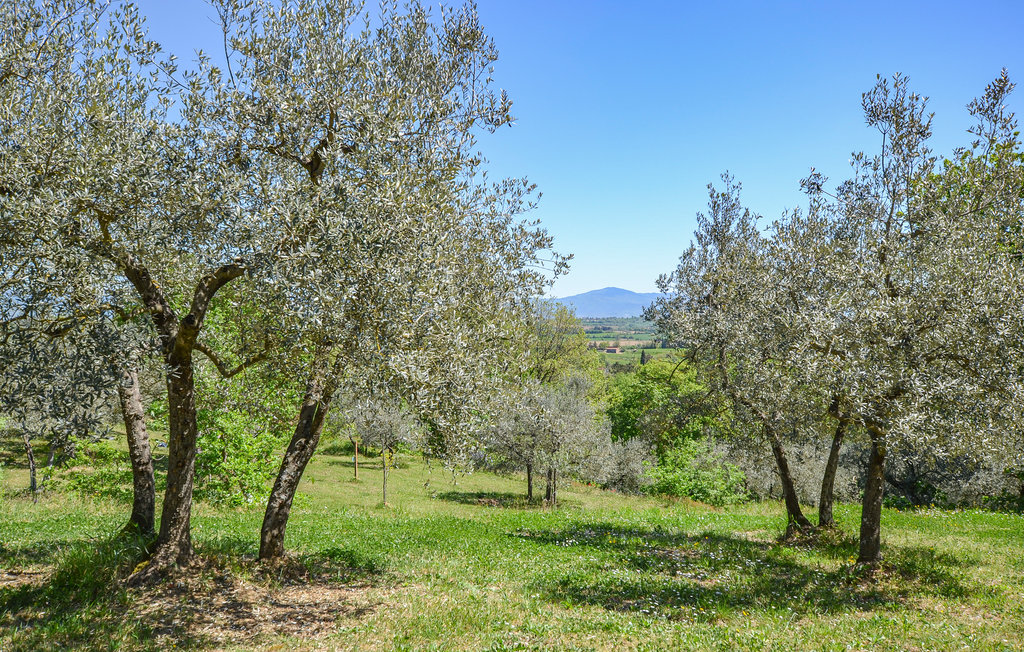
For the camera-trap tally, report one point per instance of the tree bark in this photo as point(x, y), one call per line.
point(174, 543)
point(315, 405)
point(794, 514)
point(529, 481)
point(32, 486)
point(178, 339)
point(871, 514)
point(384, 475)
point(143, 484)
point(828, 480)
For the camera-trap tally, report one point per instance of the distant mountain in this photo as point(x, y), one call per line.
point(609, 302)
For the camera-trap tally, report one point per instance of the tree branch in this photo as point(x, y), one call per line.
point(208, 286)
point(223, 368)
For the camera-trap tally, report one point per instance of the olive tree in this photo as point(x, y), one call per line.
point(721, 304)
point(918, 335)
point(410, 266)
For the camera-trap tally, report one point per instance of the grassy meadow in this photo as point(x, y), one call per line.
point(466, 563)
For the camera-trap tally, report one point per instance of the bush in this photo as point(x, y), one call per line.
point(98, 469)
point(235, 461)
point(693, 470)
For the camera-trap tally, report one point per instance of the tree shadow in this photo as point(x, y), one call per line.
point(494, 499)
point(667, 574)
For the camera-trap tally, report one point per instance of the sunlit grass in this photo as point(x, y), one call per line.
point(465, 562)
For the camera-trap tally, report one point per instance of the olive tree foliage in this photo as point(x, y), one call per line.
point(907, 286)
point(554, 350)
point(572, 438)
point(892, 304)
point(67, 335)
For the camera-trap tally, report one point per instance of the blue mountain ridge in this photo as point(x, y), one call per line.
point(609, 302)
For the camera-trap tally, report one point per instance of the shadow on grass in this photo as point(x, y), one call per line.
point(17, 556)
point(660, 573)
point(493, 499)
point(224, 597)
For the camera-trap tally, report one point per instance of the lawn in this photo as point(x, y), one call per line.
point(465, 562)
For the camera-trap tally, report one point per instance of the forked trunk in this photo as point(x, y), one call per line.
point(315, 404)
point(871, 514)
point(143, 484)
point(828, 480)
point(794, 515)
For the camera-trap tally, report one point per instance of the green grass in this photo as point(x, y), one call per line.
point(471, 564)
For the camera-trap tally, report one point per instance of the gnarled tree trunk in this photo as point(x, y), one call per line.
point(178, 337)
point(174, 543)
point(871, 514)
point(828, 480)
point(315, 404)
point(143, 484)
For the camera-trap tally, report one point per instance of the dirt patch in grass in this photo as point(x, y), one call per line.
point(209, 604)
point(10, 579)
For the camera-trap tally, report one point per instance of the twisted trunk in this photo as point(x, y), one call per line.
point(174, 543)
point(143, 484)
point(178, 337)
point(315, 404)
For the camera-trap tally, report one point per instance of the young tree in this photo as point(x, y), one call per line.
point(385, 425)
point(721, 304)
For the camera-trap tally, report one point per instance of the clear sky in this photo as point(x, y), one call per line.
point(626, 111)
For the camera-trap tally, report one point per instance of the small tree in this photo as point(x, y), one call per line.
point(387, 426)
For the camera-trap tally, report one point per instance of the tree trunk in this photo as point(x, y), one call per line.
point(315, 404)
point(828, 481)
point(551, 492)
point(529, 482)
point(794, 514)
point(32, 486)
point(355, 457)
point(174, 543)
point(384, 475)
point(871, 514)
point(143, 484)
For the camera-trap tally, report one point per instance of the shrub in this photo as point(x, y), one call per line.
point(693, 470)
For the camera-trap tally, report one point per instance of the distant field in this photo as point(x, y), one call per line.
point(632, 356)
point(465, 563)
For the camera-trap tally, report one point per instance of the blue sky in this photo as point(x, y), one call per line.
point(626, 111)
